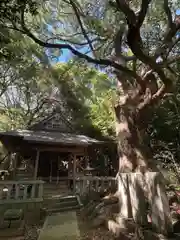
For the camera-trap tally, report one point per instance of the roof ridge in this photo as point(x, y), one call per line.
point(46, 119)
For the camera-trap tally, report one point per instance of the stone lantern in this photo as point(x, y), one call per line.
point(89, 171)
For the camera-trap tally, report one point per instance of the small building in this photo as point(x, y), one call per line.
point(51, 151)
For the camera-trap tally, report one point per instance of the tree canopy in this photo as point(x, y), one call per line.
point(138, 38)
point(151, 38)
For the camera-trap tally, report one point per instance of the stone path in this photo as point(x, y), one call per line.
point(60, 226)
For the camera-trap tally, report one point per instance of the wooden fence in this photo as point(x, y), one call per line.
point(21, 191)
point(86, 184)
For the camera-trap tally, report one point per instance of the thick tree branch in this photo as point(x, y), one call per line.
point(134, 41)
point(81, 25)
point(147, 99)
point(172, 28)
point(105, 62)
point(134, 38)
point(129, 13)
point(75, 43)
point(172, 45)
point(138, 52)
point(167, 63)
point(143, 12)
point(160, 93)
point(148, 73)
point(150, 100)
point(129, 58)
point(172, 60)
point(167, 10)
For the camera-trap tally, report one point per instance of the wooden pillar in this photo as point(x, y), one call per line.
point(87, 153)
point(7, 164)
point(50, 174)
point(15, 165)
point(36, 165)
point(74, 173)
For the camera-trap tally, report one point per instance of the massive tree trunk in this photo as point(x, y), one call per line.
point(134, 155)
point(139, 183)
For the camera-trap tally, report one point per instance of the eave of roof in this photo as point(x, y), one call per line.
point(53, 137)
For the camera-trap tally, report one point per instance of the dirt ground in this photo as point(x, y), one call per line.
point(89, 233)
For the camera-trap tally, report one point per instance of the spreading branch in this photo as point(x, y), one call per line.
point(81, 25)
point(129, 13)
point(143, 12)
point(135, 43)
point(150, 100)
point(134, 40)
point(172, 28)
point(172, 45)
point(103, 62)
point(167, 10)
point(172, 60)
point(73, 42)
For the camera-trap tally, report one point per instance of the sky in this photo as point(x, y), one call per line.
point(65, 55)
point(178, 12)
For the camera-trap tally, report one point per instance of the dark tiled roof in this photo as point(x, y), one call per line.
point(51, 137)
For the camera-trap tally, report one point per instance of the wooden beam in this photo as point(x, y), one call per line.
point(62, 149)
point(15, 165)
point(50, 173)
point(74, 173)
point(36, 164)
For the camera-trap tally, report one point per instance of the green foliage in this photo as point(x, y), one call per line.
point(163, 131)
point(10, 13)
point(90, 96)
point(35, 90)
point(84, 90)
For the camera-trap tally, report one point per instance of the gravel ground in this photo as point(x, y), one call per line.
point(32, 232)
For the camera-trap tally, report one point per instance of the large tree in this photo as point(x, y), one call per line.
point(137, 41)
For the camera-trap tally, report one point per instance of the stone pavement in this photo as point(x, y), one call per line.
point(60, 226)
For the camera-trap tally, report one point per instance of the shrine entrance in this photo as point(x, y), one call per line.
point(53, 166)
point(78, 162)
point(57, 166)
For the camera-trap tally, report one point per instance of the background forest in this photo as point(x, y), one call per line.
point(34, 83)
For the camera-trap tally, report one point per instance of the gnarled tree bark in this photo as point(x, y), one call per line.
point(139, 183)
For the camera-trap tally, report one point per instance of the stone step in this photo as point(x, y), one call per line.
point(56, 189)
point(19, 173)
point(64, 197)
point(57, 201)
point(65, 204)
point(60, 200)
point(67, 199)
point(65, 209)
point(24, 175)
point(56, 186)
point(58, 192)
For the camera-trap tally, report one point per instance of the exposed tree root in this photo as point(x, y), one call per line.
point(110, 211)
